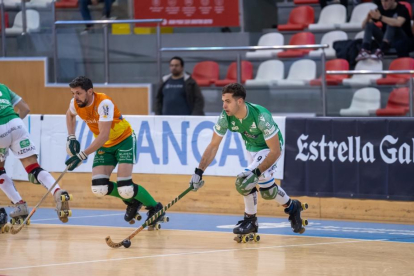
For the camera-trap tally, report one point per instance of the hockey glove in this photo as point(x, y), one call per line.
point(247, 180)
point(76, 160)
point(72, 145)
point(196, 180)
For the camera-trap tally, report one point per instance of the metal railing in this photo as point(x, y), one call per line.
point(106, 40)
point(377, 72)
point(258, 48)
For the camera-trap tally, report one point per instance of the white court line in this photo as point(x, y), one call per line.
point(183, 254)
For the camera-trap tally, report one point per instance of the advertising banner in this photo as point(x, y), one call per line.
point(190, 13)
point(350, 157)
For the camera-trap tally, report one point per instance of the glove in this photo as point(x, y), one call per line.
point(196, 180)
point(76, 160)
point(247, 180)
point(72, 145)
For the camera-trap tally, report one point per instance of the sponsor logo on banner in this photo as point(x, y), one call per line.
point(205, 2)
point(188, 2)
point(352, 150)
point(172, 3)
point(219, 2)
point(156, 2)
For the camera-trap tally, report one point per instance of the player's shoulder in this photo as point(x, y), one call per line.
point(258, 112)
point(4, 89)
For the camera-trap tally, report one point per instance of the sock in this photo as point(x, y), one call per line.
point(7, 186)
point(250, 203)
point(144, 197)
point(282, 198)
point(47, 180)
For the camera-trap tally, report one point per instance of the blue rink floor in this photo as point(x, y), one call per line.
point(225, 223)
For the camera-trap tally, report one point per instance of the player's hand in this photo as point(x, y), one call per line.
point(247, 180)
point(72, 145)
point(196, 181)
point(76, 160)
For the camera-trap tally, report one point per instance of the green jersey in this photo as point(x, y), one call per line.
point(8, 99)
point(257, 127)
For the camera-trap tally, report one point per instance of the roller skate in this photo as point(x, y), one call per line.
point(296, 222)
point(132, 210)
point(62, 205)
point(4, 224)
point(155, 225)
point(19, 213)
point(246, 229)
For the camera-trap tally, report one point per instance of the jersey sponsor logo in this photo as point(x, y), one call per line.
point(174, 86)
point(101, 152)
point(235, 128)
point(105, 110)
point(267, 132)
point(5, 101)
point(26, 150)
point(24, 143)
point(252, 136)
point(9, 131)
point(91, 121)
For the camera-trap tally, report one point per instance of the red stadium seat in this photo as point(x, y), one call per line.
point(298, 39)
point(398, 64)
point(305, 2)
point(66, 4)
point(335, 64)
point(246, 74)
point(398, 103)
point(299, 19)
point(206, 73)
point(6, 20)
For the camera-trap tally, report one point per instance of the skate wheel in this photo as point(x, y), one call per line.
point(157, 226)
point(305, 206)
point(69, 213)
point(70, 197)
point(138, 217)
point(237, 239)
point(28, 222)
point(13, 221)
point(64, 219)
point(256, 238)
point(245, 239)
point(131, 221)
point(20, 221)
point(305, 222)
point(251, 236)
point(62, 214)
point(166, 219)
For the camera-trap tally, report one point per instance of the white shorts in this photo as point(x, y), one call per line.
point(15, 136)
point(255, 158)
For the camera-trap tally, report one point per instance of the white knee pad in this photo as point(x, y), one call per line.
point(100, 190)
point(126, 192)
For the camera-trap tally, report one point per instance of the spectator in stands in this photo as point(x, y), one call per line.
point(396, 27)
point(179, 94)
point(86, 14)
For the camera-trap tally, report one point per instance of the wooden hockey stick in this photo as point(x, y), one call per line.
point(15, 231)
point(127, 242)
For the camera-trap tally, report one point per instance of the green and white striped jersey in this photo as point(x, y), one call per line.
point(8, 99)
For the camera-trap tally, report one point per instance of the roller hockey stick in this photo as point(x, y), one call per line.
point(17, 230)
point(127, 242)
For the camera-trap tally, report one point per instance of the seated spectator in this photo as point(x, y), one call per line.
point(86, 14)
point(179, 94)
point(396, 27)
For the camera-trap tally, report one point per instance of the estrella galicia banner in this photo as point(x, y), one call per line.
point(369, 158)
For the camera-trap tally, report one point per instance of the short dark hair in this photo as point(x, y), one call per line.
point(82, 82)
point(180, 59)
point(236, 89)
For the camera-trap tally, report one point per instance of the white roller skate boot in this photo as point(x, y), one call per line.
point(19, 213)
point(62, 205)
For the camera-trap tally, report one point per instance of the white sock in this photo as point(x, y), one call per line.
point(282, 197)
point(250, 203)
point(47, 181)
point(7, 186)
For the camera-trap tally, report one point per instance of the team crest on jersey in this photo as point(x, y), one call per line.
point(253, 125)
point(252, 136)
point(101, 152)
point(234, 127)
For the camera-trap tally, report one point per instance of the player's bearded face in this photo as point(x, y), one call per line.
point(81, 97)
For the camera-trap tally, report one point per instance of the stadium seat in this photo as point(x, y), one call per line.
point(6, 20)
point(408, 6)
point(359, 35)
point(34, 4)
point(364, 103)
point(270, 39)
point(398, 64)
point(359, 13)
point(33, 23)
point(66, 4)
point(267, 73)
point(298, 39)
point(398, 103)
point(246, 73)
point(329, 38)
point(305, 2)
point(299, 19)
point(12, 3)
point(364, 80)
point(300, 73)
point(330, 15)
point(206, 73)
point(331, 65)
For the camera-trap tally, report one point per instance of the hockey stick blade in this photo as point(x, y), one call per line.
point(13, 230)
point(112, 244)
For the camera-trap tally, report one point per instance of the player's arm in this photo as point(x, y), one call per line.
point(210, 152)
point(274, 147)
point(101, 139)
point(23, 108)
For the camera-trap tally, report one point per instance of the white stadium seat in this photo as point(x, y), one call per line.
point(270, 39)
point(300, 73)
point(33, 23)
point(364, 80)
point(268, 72)
point(328, 19)
point(329, 38)
point(359, 13)
point(365, 102)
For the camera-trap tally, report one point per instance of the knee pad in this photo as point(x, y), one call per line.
point(33, 174)
point(101, 187)
point(127, 189)
point(269, 192)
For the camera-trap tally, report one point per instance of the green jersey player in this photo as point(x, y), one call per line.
point(264, 144)
point(14, 136)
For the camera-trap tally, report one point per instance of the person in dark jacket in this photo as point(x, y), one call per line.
point(179, 94)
